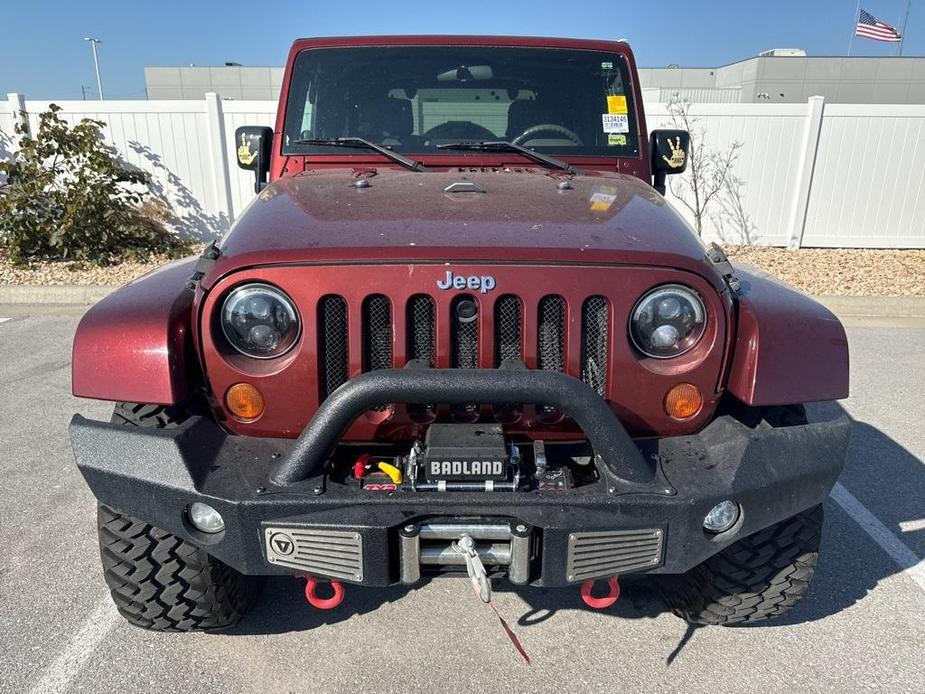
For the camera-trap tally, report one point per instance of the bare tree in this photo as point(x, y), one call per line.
point(733, 223)
point(707, 169)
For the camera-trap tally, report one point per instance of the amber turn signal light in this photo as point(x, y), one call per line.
point(683, 401)
point(244, 401)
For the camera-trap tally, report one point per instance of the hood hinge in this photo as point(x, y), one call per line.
point(204, 264)
point(717, 256)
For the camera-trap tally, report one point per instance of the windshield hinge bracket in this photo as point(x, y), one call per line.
point(204, 264)
point(717, 256)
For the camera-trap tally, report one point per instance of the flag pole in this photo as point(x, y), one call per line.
point(854, 27)
point(902, 30)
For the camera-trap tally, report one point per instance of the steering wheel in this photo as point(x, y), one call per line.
point(459, 130)
point(531, 133)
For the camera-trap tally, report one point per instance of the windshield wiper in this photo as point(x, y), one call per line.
point(504, 146)
point(366, 144)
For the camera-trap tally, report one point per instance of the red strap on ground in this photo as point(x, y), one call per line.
point(511, 635)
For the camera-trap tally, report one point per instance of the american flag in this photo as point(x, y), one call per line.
point(869, 27)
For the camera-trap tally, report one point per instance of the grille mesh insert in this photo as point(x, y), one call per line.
point(377, 337)
point(465, 344)
point(332, 343)
point(508, 323)
point(550, 353)
point(595, 331)
point(422, 344)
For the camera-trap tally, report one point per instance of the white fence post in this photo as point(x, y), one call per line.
point(18, 115)
point(804, 178)
point(221, 176)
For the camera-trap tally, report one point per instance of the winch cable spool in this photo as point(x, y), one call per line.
point(311, 583)
point(603, 603)
point(482, 587)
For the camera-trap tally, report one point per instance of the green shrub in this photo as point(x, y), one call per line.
point(68, 197)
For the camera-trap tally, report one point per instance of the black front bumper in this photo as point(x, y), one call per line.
point(773, 473)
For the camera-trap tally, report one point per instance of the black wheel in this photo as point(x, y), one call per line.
point(158, 581)
point(161, 583)
point(756, 578)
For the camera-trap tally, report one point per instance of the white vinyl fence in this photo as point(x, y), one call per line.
point(814, 174)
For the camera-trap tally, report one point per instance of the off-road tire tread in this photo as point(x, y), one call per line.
point(162, 583)
point(148, 416)
point(758, 577)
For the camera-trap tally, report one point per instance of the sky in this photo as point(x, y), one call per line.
point(45, 56)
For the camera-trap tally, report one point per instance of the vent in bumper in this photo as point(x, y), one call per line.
point(611, 553)
point(325, 553)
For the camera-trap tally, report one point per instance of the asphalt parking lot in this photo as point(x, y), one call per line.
point(861, 628)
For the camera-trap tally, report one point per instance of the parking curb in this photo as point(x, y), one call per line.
point(54, 294)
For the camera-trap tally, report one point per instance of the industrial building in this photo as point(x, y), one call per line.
point(776, 76)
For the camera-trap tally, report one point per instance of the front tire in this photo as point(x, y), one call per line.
point(758, 577)
point(158, 581)
point(161, 583)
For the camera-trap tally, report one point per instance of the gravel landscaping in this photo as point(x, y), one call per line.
point(822, 271)
point(840, 271)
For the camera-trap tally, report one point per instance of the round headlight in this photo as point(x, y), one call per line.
point(260, 321)
point(668, 321)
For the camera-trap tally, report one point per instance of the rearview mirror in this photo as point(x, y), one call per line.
point(253, 145)
point(669, 154)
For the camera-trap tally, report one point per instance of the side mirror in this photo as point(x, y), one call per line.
point(669, 153)
point(253, 146)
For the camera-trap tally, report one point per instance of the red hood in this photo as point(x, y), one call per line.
point(522, 216)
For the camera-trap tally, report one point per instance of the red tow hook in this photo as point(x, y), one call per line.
point(600, 603)
point(311, 583)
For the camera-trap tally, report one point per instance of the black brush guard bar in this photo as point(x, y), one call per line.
point(621, 459)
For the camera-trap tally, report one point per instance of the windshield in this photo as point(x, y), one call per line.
point(415, 98)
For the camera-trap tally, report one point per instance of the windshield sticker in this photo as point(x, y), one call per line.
point(616, 104)
point(603, 199)
point(607, 65)
point(615, 122)
point(616, 139)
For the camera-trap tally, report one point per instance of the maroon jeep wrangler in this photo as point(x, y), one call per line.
point(459, 330)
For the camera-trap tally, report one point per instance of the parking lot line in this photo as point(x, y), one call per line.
point(3, 320)
point(907, 560)
point(78, 649)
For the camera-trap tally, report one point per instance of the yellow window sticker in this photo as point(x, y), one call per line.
point(616, 104)
point(616, 139)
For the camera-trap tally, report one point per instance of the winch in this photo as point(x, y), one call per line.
point(464, 457)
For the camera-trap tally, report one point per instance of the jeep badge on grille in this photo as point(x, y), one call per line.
point(482, 283)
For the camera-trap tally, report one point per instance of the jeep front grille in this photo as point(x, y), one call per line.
point(333, 344)
point(535, 333)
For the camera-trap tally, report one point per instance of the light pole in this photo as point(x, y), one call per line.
point(96, 63)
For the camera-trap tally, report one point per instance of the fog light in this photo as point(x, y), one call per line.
point(721, 517)
point(205, 518)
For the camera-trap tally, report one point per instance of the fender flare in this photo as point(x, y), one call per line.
point(788, 349)
point(136, 344)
